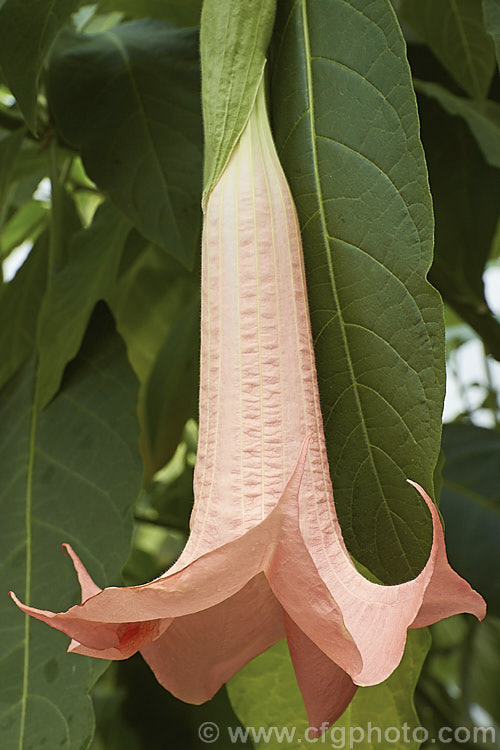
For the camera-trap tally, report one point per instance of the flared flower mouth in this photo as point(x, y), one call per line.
point(265, 558)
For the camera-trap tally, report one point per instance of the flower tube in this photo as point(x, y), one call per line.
point(265, 558)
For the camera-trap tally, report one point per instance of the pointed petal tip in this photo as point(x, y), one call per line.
point(326, 688)
point(87, 585)
point(445, 578)
point(18, 602)
point(423, 494)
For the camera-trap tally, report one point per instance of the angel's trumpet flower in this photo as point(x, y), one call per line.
point(265, 558)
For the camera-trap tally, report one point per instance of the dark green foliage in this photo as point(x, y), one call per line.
point(74, 472)
point(27, 32)
point(128, 99)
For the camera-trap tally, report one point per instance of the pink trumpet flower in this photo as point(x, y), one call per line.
point(265, 558)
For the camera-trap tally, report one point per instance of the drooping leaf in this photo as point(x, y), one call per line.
point(27, 32)
point(346, 128)
point(470, 504)
point(150, 290)
point(491, 12)
point(94, 256)
point(180, 12)
point(20, 302)
point(484, 121)
point(128, 100)
point(265, 694)
point(465, 190)
point(234, 40)
point(70, 475)
point(454, 31)
point(170, 394)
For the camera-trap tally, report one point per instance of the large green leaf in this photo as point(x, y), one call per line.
point(20, 302)
point(234, 40)
point(454, 31)
point(27, 31)
point(70, 475)
point(483, 121)
point(94, 256)
point(128, 99)
point(346, 127)
point(465, 190)
point(180, 12)
point(470, 503)
point(264, 694)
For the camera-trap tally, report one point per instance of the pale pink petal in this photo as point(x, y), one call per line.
point(200, 652)
point(88, 589)
point(327, 690)
point(377, 617)
point(87, 585)
point(105, 640)
point(447, 593)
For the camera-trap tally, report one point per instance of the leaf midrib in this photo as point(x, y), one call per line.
point(27, 594)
